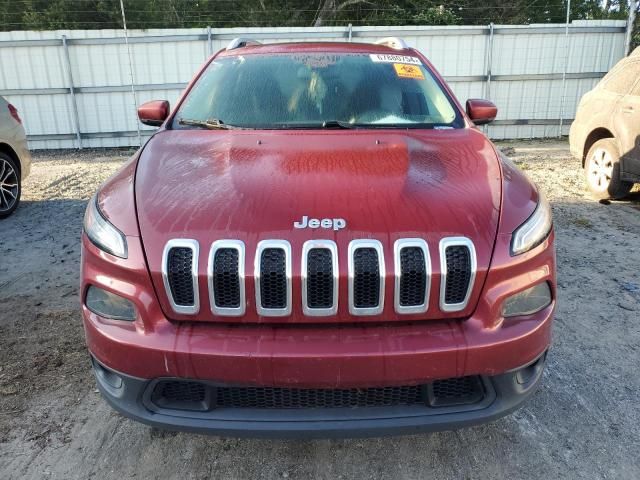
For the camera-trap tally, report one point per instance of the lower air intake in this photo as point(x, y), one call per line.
point(198, 396)
point(286, 398)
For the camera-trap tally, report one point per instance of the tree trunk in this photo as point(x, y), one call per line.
point(327, 10)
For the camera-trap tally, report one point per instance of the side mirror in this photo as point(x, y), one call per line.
point(153, 113)
point(481, 111)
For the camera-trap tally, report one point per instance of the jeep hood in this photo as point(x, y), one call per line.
point(252, 185)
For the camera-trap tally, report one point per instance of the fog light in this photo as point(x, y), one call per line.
point(527, 302)
point(107, 376)
point(109, 305)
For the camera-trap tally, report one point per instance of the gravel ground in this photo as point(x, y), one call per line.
point(582, 423)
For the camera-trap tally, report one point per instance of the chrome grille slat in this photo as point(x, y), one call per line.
point(412, 280)
point(274, 284)
point(225, 277)
point(319, 279)
point(360, 277)
point(456, 273)
point(175, 287)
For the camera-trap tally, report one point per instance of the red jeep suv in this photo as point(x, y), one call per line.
point(317, 241)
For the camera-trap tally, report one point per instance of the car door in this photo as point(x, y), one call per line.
point(627, 126)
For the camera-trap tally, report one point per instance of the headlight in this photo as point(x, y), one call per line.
point(109, 305)
point(103, 235)
point(528, 301)
point(535, 230)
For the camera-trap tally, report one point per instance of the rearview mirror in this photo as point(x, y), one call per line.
point(481, 111)
point(153, 113)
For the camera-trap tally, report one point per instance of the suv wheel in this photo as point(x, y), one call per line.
point(602, 171)
point(9, 185)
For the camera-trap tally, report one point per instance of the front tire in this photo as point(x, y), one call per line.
point(602, 171)
point(10, 186)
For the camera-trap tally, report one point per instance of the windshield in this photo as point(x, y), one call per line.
point(317, 90)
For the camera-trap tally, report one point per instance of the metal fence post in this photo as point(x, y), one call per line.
point(488, 63)
point(209, 42)
point(133, 82)
point(633, 6)
point(566, 67)
point(74, 104)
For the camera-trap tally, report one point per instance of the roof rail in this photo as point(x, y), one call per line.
point(242, 42)
point(392, 42)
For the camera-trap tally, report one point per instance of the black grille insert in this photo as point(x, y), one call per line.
point(181, 395)
point(193, 395)
point(458, 273)
point(273, 278)
point(455, 391)
point(366, 278)
point(226, 278)
point(413, 277)
point(179, 267)
point(319, 278)
point(264, 397)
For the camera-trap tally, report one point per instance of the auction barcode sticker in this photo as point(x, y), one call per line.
point(391, 58)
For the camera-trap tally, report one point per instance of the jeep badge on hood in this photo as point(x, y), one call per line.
point(335, 223)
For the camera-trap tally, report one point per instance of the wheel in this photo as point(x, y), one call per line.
point(9, 185)
point(602, 171)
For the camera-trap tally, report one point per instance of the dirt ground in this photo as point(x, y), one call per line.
point(583, 422)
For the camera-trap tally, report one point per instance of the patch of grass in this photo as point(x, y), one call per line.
point(582, 222)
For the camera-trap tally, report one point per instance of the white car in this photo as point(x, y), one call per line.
point(15, 159)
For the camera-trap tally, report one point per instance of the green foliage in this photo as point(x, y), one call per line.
point(146, 14)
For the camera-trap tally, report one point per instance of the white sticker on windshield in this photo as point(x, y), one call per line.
point(391, 58)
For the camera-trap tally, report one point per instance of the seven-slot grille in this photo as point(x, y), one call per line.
point(273, 276)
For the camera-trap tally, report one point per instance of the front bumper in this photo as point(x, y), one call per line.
point(318, 356)
point(503, 394)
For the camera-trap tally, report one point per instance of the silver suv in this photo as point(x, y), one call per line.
point(15, 159)
point(605, 134)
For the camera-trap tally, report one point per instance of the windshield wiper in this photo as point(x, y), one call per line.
point(211, 123)
point(401, 126)
point(337, 124)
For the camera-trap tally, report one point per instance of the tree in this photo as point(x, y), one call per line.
point(330, 8)
point(144, 14)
